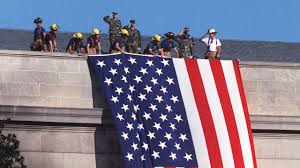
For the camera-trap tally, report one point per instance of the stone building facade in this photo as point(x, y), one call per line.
point(57, 111)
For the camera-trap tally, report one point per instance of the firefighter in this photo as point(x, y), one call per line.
point(168, 44)
point(75, 44)
point(39, 35)
point(153, 47)
point(50, 44)
point(93, 42)
point(120, 44)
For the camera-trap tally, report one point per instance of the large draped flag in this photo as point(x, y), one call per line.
point(172, 112)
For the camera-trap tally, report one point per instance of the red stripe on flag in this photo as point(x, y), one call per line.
point(228, 112)
point(245, 107)
point(204, 113)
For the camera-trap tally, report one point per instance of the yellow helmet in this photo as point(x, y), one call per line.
point(95, 31)
point(156, 37)
point(125, 32)
point(78, 35)
point(54, 27)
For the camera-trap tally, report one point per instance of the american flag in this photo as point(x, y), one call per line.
point(172, 112)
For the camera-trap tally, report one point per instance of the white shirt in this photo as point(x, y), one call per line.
point(212, 44)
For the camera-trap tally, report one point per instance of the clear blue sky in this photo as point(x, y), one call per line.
point(267, 20)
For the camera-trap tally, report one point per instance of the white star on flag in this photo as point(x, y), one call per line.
point(150, 63)
point(108, 81)
point(151, 135)
point(162, 145)
point(126, 69)
point(129, 126)
point(129, 156)
point(142, 97)
point(138, 79)
point(174, 99)
point(119, 90)
point(143, 71)
point(165, 62)
point(170, 80)
point(168, 136)
point(134, 146)
point(159, 98)
point(125, 107)
point(157, 126)
point(145, 146)
point(114, 99)
point(159, 71)
point(132, 60)
point(188, 157)
point(173, 156)
point(146, 116)
point(118, 61)
point(124, 135)
point(155, 154)
point(148, 89)
point(113, 71)
point(120, 117)
point(183, 137)
point(101, 63)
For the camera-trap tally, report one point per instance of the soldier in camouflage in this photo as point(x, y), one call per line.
point(134, 42)
point(185, 43)
point(115, 26)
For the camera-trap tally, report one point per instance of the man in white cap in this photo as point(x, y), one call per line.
point(213, 45)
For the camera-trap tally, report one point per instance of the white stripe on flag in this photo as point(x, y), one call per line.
point(216, 112)
point(192, 113)
point(239, 115)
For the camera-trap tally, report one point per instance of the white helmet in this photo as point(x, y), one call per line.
point(210, 31)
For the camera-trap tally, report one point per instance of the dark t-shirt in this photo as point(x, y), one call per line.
point(154, 46)
point(93, 41)
point(167, 45)
point(75, 44)
point(121, 41)
point(50, 37)
point(38, 33)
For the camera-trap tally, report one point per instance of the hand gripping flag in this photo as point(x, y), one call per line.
point(177, 112)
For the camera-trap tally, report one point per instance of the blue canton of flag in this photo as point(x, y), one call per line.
point(148, 110)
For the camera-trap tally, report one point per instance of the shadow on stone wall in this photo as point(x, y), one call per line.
point(99, 100)
point(107, 153)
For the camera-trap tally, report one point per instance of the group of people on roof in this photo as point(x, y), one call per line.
point(127, 39)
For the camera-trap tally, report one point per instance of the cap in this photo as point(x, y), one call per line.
point(211, 31)
point(132, 21)
point(169, 34)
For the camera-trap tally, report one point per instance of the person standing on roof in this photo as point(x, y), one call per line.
point(185, 43)
point(115, 27)
point(213, 45)
point(39, 35)
point(75, 44)
point(120, 44)
point(50, 44)
point(168, 44)
point(134, 42)
point(153, 47)
point(93, 45)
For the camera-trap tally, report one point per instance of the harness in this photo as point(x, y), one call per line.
point(210, 42)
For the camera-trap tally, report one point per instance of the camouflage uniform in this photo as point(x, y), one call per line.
point(185, 43)
point(115, 26)
point(134, 42)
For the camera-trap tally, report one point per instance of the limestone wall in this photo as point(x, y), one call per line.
point(56, 109)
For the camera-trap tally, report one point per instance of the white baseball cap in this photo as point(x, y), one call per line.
point(210, 31)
